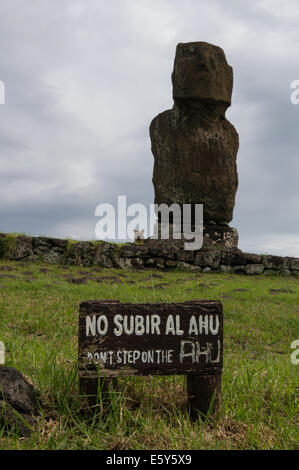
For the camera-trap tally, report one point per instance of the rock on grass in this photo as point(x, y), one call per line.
point(18, 401)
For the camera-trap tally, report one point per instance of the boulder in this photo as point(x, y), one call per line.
point(22, 248)
point(209, 259)
point(81, 254)
point(134, 250)
point(18, 401)
point(255, 268)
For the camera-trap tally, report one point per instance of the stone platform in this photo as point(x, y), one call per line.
point(159, 254)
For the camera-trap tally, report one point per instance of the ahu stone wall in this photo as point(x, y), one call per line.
point(160, 254)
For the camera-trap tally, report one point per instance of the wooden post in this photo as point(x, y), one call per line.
point(97, 392)
point(204, 391)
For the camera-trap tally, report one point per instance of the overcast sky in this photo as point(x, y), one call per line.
point(83, 80)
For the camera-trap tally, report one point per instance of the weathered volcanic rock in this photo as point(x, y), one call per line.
point(18, 402)
point(194, 145)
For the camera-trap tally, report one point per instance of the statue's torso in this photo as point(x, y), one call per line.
point(195, 162)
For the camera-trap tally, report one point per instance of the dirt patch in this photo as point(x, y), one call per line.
point(280, 291)
point(230, 429)
point(161, 286)
point(203, 286)
point(8, 276)
point(77, 280)
point(226, 296)
point(6, 268)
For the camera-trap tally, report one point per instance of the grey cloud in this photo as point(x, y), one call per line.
point(83, 81)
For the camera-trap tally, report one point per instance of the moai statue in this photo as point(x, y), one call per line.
point(194, 146)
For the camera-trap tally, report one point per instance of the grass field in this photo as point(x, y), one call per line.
point(39, 326)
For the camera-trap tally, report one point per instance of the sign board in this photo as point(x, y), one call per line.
point(150, 339)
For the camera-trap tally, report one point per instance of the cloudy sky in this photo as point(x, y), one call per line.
point(83, 80)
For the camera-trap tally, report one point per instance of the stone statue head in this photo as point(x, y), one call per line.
point(202, 73)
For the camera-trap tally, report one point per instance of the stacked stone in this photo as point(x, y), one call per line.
point(161, 254)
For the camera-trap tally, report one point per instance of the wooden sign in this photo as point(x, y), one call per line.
point(157, 339)
point(119, 339)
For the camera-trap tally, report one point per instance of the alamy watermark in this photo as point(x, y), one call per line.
point(295, 354)
point(2, 353)
point(165, 222)
point(2, 92)
point(294, 98)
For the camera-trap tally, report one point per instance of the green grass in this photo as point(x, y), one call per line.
point(39, 326)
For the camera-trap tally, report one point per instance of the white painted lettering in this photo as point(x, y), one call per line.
point(193, 328)
point(203, 324)
point(156, 324)
point(90, 325)
point(128, 328)
point(170, 327)
point(179, 331)
point(139, 325)
point(184, 354)
point(118, 330)
point(214, 329)
point(102, 325)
